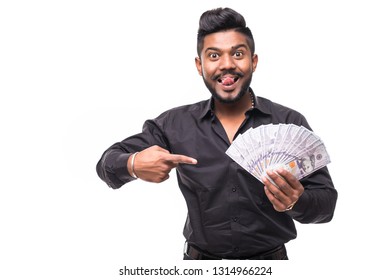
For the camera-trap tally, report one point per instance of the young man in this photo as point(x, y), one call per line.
point(230, 213)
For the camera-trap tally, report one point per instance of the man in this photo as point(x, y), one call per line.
point(230, 213)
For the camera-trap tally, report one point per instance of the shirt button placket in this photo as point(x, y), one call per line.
point(235, 221)
point(235, 209)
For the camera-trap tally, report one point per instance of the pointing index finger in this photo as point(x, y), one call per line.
point(176, 159)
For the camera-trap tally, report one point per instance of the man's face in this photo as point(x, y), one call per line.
point(306, 165)
point(226, 65)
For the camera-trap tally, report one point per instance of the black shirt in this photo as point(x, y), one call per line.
point(229, 214)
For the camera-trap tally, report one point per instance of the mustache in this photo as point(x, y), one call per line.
point(226, 72)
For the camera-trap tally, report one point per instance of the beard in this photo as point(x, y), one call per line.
point(244, 89)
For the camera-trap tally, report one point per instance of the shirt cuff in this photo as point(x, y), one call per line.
point(299, 206)
point(122, 173)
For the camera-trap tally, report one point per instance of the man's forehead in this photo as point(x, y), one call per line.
point(225, 40)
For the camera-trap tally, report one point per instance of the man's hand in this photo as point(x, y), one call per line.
point(154, 164)
point(286, 192)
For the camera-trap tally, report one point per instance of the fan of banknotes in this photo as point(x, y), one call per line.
point(273, 146)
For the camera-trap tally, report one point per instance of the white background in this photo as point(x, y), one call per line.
point(77, 76)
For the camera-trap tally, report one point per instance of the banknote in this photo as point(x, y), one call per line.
point(269, 147)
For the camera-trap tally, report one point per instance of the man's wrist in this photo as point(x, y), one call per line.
point(130, 167)
point(290, 207)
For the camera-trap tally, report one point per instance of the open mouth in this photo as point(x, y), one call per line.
point(227, 80)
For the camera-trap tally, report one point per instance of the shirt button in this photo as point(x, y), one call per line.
point(236, 249)
point(235, 219)
point(234, 189)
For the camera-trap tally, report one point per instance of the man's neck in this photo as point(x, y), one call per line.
point(235, 109)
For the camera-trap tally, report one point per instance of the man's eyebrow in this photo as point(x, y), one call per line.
point(233, 48)
point(211, 49)
point(240, 46)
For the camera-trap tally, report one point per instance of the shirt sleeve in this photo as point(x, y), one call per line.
point(318, 201)
point(112, 166)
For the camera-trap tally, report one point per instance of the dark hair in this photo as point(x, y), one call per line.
point(222, 19)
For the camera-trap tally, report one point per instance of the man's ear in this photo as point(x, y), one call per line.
point(255, 60)
point(198, 64)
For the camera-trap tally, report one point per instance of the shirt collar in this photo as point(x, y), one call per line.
point(261, 104)
point(208, 109)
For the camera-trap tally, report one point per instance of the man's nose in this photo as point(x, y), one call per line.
point(227, 62)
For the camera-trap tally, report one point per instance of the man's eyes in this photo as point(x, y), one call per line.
point(237, 54)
